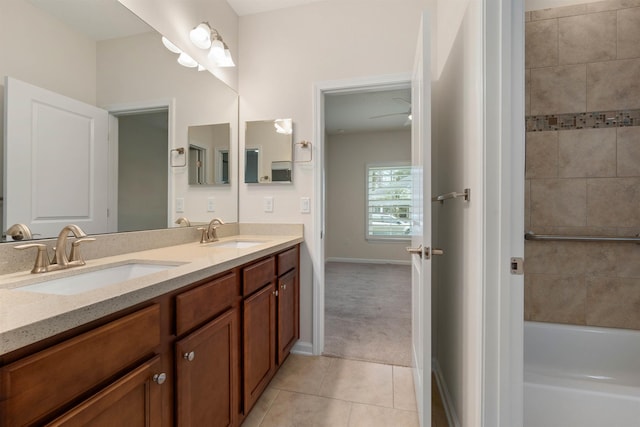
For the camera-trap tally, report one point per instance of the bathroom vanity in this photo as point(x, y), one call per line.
point(192, 345)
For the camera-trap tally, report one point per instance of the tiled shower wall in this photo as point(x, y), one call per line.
point(583, 163)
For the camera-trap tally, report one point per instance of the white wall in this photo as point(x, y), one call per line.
point(283, 54)
point(174, 19)
point(53, 57)
point(347, 157)
point(199, 99)
point(458, 163)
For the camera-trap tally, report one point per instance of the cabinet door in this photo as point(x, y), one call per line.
point(134, 400)
point(207, 374)
point(259, 343)
point(288, 307)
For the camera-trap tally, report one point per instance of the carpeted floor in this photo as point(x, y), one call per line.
point(368, 312)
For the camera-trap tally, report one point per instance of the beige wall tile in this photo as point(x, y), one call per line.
point(527, 92)
point(559, 90)
point(541, 43)
point(602, 6)
point(528, 291)
point(541, 155)
point(613, 202)
point(629, 33)
point(527, 204)
point(527, 16)
point(628, 259)
point(374, 416)
point(613, 302)
point(558, 12)
point(294, 409)
point(587, 38)
point(570, 258)
point(587, 153)
point(629, 151)
point(559, 299)
point(558, 202)
point(613, 85)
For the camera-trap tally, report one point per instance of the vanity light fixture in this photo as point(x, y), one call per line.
point(172, 47)
point(205, 37)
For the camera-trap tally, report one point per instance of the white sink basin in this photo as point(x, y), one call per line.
point(237, 244)
point(95, 279)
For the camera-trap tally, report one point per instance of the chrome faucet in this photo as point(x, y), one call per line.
point(210, 234)
point(60, 260)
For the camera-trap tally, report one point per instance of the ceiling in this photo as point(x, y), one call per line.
point(357, 112)
point(98, 19)
point(249, 7)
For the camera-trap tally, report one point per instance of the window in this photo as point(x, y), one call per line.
point(388, 202)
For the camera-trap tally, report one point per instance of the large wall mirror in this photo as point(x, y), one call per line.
point(268, 156)
point(101, 54)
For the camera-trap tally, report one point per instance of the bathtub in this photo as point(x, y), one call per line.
point(581, 376)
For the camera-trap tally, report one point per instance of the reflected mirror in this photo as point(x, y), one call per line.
point(209, 154)
point(101, 54)
point(268, 151)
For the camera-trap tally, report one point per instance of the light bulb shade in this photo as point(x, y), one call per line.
point(187, 61)
point(216, 54)
point(228, 60)
point(201, 36)
point(172, 47)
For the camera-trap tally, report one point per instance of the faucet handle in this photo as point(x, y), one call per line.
point(204, 238)
point(42, 258)
point(75, 256)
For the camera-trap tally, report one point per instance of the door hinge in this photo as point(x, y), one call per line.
point(517, 265)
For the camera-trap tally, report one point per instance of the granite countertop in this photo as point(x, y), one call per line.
point(27, 317)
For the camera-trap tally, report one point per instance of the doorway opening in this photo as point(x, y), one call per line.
point(140, 182)
point(367, 272)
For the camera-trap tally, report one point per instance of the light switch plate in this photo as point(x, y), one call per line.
point(268, 204)
point(305, 205)
point(179, 204)
point(210, 204)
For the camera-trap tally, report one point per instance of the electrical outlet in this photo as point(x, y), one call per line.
point(179, 204)
point(305, 205)
point(210, 204)
point(268, 204)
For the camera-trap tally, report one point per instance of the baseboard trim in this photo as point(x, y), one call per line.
point(368, 261)
point(447, 402)
point(303, 347)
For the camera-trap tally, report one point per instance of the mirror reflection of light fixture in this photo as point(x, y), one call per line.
point(187, 61)
point(205, 37)
point(283, 126)
point(172, 47)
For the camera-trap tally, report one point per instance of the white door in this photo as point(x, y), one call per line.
point(56, 165)
point(421, 239)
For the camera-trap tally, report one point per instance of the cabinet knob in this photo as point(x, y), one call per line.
point(275, 292)
point(160, 378)
point(283, 287)
point(190, 356)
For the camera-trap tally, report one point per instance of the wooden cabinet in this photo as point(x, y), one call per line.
point(41, 386)
point(207, 374)
point(134, 400)
point(198, 356)
point(259, 335)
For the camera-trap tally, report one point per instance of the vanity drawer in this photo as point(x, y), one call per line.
point(257, 275)
point(37, 385)
point(287, 260)
point(202, 303)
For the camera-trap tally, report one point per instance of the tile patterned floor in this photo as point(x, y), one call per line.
point(325, 391)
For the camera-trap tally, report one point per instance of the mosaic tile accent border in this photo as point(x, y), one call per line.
point(594, 120)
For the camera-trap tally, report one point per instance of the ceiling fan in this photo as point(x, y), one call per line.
point(402, 113)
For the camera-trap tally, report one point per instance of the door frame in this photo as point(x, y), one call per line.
point(373, 83)
point(116, 110)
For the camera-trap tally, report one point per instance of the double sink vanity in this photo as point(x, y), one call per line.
point(188, 334)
